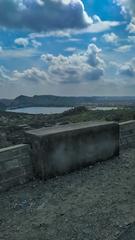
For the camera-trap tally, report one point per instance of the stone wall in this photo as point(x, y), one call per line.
point(59, 150)
point(127, 134)
point(15, 166)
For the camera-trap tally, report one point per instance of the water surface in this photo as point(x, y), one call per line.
point(40, 110)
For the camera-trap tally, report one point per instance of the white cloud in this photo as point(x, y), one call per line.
point(110, 37)
point(95, 27)
point(69, 39)
point(79, 67)
point(94, 39)
point(36, 43)
point(128, 69)
point(96, 19)
point(4, 75)
point(42, 15)
point(70, 49)
point(100, 27)
point(131, 26)
point(126, 6)
point(131, 39)
point(32, 75)
point(123, 49)
point(18, 53)
point(24, 42)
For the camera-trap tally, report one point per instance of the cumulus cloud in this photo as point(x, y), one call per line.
point(110, 37)
point(42, 15)
point(128, 69)
point(123, 49)
point(52, 17)
point(23, 42)
point(126, 6)
point(95, 27)
point(79, 67)
point(92, 55)
point(100, 26)
point(131, 26)
point(96, 19)
point(33, 75)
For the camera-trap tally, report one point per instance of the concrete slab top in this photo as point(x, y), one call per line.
point(11, 147)
point(127, 122)
point(66, 128)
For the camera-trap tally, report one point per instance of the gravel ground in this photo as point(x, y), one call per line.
point(129, 233)
point(96, 203)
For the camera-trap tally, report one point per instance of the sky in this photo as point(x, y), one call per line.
point(67, 47)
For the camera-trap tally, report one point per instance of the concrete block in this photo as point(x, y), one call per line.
point(15, 181)
point(14, 172)
point(15, 164)
point(59, 150)
point(127, 134)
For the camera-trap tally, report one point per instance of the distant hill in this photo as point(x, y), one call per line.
point(49, 101)
point(2, 106)
point(6, 102)
point(62, 101)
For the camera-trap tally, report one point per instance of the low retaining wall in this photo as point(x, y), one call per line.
point(127, 134)
point(59, 150)
point(15, 166)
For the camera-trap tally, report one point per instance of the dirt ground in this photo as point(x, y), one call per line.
point(96, 203)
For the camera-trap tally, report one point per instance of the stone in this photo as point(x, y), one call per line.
point(61, 149)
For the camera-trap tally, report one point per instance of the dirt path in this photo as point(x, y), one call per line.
point(97, 203)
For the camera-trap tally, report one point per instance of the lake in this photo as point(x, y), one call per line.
point(40, 110)
point(104, 108)
point(53, 110)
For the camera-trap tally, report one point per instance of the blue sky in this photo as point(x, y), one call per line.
point(67, 47)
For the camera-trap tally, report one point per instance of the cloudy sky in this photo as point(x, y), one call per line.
point(67, 47)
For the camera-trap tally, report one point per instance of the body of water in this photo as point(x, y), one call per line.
point(40, 110)
point(104, 108)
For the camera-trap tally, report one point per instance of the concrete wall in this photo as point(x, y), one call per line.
point(59, 150)
point(127, 134)
point(15, 166)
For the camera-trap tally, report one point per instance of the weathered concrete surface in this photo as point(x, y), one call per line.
point(59, 150)
point(15, 166)
point(128, 234)
point(127, 134)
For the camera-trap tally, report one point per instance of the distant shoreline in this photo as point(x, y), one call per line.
point(52, 101)
point(40, 110)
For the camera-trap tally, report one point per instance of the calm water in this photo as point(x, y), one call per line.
point(39, 110)
point(104, 108)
